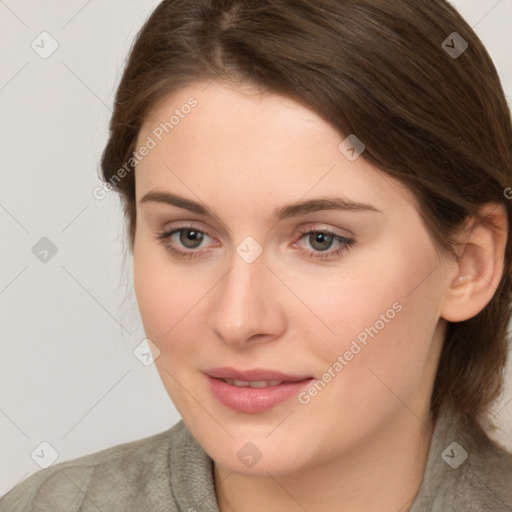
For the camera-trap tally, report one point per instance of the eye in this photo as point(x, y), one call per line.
point(188, 237)
point(322, 240)
point(191, 238)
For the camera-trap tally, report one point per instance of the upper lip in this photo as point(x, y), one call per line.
point(254, 374)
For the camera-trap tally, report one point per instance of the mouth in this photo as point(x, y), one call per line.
point(253, 384)
point(254, 391)
point(255, 375)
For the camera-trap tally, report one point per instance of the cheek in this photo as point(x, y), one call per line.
point(152, 297)
point(380, 316)
point(165, 300)
point(172, 301)
point(368, 296)
point(161, 295)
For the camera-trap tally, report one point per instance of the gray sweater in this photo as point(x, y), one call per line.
point(171, 472)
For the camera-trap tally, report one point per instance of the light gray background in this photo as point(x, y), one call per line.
point(69, 326)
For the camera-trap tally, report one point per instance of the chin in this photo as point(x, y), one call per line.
point(277, 463)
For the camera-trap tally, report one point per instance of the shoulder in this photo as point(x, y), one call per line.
point(486, 473)
point(117, 476)
point(466, 471)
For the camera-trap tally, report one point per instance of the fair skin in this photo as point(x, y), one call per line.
point(362, 442)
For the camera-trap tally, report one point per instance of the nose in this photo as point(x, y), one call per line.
point(247, 304)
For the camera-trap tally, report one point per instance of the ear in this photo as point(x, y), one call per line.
point(472, 281)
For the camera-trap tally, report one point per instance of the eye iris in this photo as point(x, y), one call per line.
point(322, 238)
point(191, 235)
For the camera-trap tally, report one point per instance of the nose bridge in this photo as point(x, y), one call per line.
point(243, 305)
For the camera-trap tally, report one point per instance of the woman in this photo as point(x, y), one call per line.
point(316, 197)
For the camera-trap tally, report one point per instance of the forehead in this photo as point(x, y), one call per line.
point(236, 139)
point(228, 97)
point(246, 114)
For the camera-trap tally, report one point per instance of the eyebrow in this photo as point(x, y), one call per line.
point(284, 212)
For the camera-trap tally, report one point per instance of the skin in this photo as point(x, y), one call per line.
point(362, 442)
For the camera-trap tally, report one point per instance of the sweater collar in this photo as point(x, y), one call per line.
point(191, 473)
point(444, 455)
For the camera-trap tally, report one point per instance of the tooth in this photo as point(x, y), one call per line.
point(264, 383)
point(252, 384)
point(259, 384)
point(241, 383)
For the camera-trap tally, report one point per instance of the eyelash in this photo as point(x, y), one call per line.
point(346, 243)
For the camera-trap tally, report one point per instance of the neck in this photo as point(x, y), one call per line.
point(382, 475)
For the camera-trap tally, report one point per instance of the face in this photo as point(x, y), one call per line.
point(343, 299)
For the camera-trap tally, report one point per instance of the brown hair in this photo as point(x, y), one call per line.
point(438, 123)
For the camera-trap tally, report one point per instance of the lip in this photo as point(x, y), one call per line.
point(254, 400)
point(254, 374)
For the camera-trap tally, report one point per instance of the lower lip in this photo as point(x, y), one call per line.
point(253, 400)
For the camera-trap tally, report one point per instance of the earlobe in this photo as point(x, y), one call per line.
point(480, 267)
